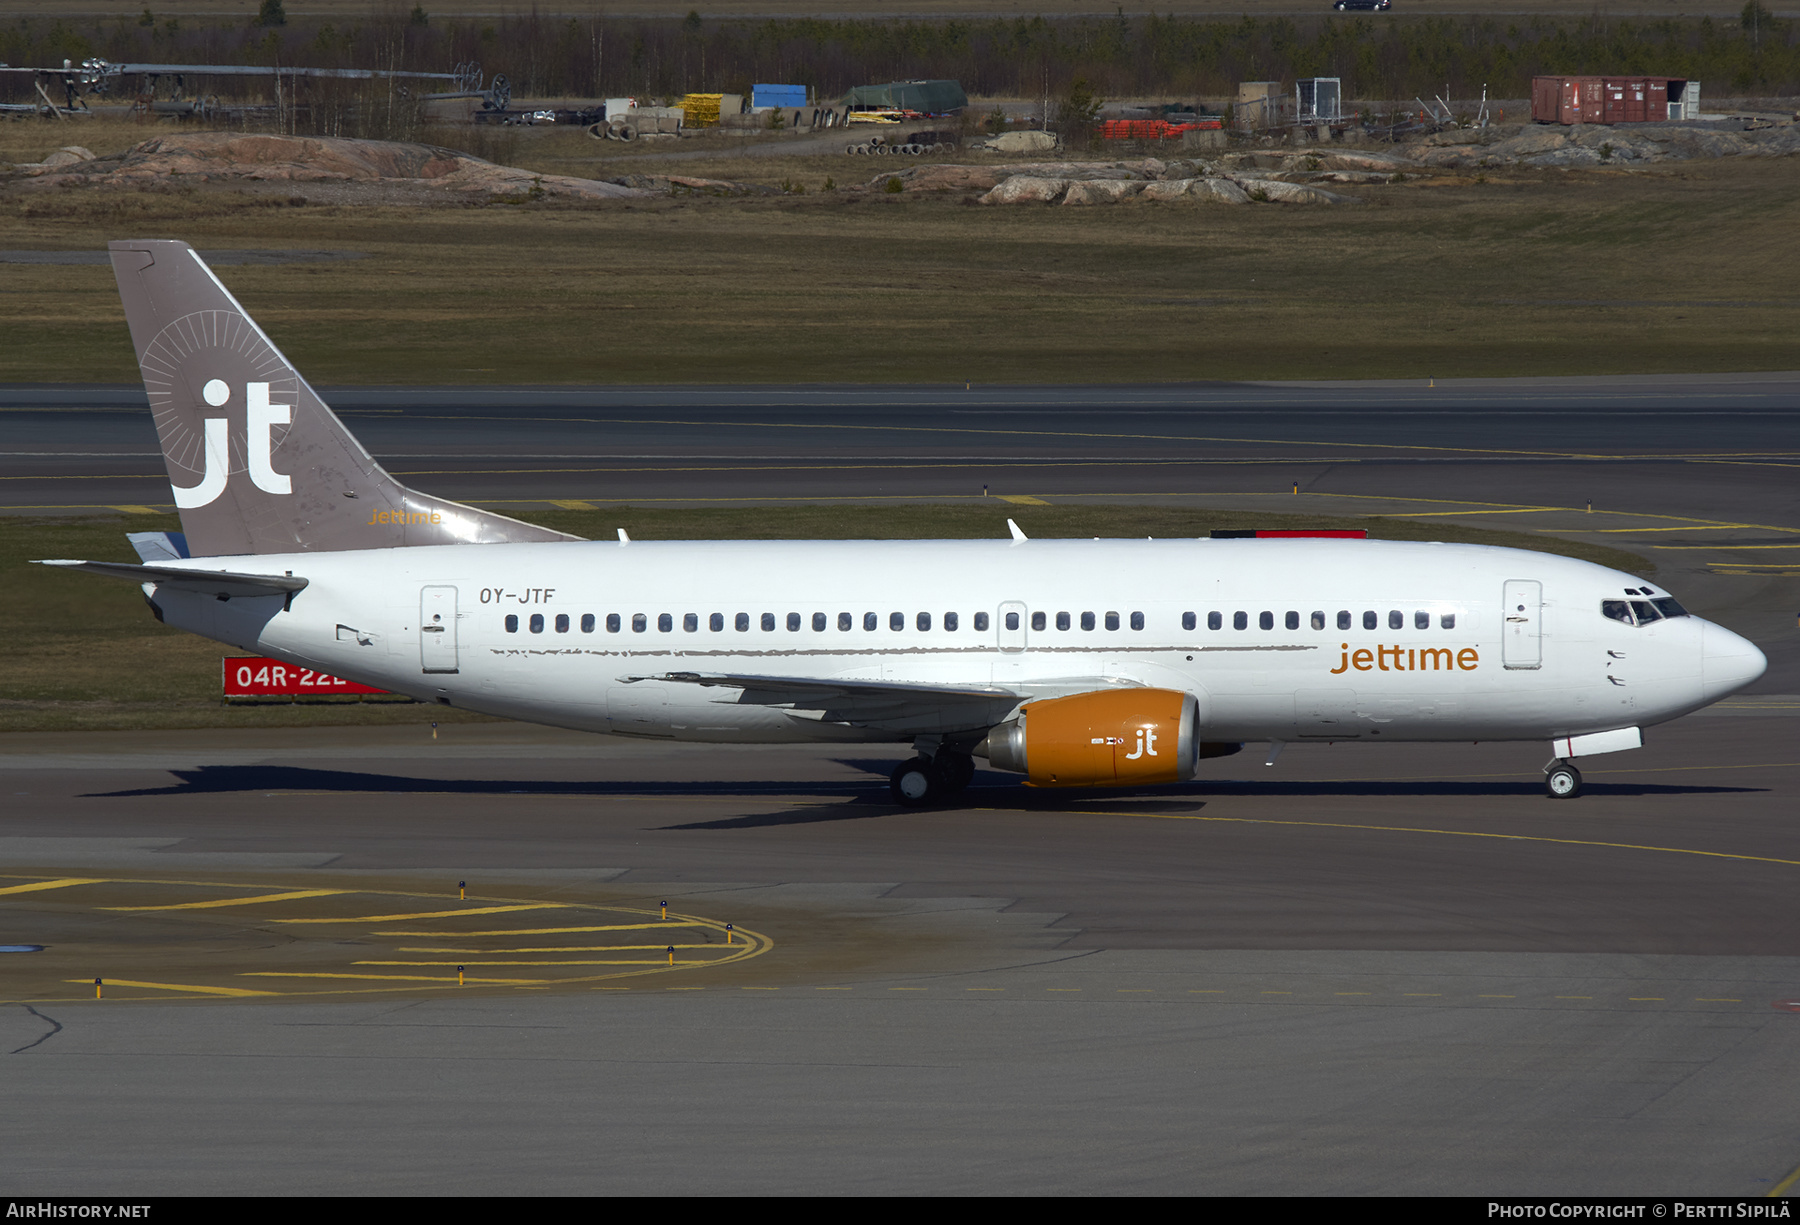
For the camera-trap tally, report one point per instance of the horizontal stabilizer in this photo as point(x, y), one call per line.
point(222, 583)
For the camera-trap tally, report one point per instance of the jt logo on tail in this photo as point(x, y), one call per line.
point(260, 417)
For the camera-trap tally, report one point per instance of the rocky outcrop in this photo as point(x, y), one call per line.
point(1027, 189)
point(225, 156)
point(1100, 191)
point(1020, 142)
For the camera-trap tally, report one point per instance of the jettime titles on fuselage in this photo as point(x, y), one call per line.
point(1407, 659)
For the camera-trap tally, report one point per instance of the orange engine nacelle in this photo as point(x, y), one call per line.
point(1109, 738)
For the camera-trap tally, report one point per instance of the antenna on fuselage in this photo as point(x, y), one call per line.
point(623, 538)
point(1017, 535)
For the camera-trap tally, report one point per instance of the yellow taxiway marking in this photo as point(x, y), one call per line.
point(434, 914)
point(394, 978)
point(1063, 988)
point(217, 903)
point(618, 961)
point(759, 988)
point(40, 885)
point(1781, 1188)
point(1021, 499)
point(590, 948)
point(126, 982)
point(834, 988)
point(1467, 833)
point(572, 504)
point(544, 931)
point(1721, 548)
point(1709, 527)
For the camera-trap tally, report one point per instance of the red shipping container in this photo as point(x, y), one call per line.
point(1656, 106)
point(1571, 100)
point(251, 676)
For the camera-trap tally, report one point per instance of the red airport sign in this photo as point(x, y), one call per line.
point(251, 676)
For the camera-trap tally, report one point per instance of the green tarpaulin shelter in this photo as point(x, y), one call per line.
point(932, 97)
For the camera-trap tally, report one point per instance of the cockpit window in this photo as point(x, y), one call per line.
point(1617, 610)
point(1645, 612)
point(1669, 608)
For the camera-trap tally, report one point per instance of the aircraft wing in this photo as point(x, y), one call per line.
point(222, 583)
point(902, 707)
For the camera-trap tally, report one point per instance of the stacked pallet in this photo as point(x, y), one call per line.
point(701, 110)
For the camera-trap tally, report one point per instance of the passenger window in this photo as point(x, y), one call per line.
point(845, 621)
point(871, 620)
point(1265, 621)
point(1396, 619)
point(1214, 621)
point(1669, 608)
point(1343, 618)
point(716, 623)
point(1293, 620)
point(1189, 621)
point(981, 622)
point(1112, 620)
point(690, 622)
point(793, 623)
point(1447, 621)
point(1037, 620)
point(665, 623)
point(741, 623)
point(512, 624)
point(1318, 619)
point(1012, 620)
point(587, 623)
point(819, 623)
point(562, 623)
point(1062, 621)
point(923, 621)
point(1370, 620)
point(950, 623)
point(1137, 620)
point(1645, 612)
point(1421, 620)
point(537, 623)
point(1616, 610)
point(612, 623)
point(896, 621)
point(1240, 621)
point(768, 623)
point(1087, 620)
point(639, 623)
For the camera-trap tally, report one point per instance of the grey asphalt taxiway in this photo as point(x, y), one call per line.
point(1361, 970)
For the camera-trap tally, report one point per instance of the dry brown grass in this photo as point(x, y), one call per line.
point(342, 9)
point(1683, 267)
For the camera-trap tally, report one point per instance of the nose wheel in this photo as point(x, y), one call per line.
point(1562, 781)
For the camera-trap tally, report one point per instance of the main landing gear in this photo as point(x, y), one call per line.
point(1562, 781)
point(930, 780)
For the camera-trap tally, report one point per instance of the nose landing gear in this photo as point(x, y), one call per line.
point(1562, 781)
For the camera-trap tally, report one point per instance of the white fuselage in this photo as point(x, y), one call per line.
point(1468, 642)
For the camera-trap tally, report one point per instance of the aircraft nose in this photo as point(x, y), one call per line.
point(1728, 662)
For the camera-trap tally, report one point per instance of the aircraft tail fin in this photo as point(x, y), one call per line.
point(257, 461)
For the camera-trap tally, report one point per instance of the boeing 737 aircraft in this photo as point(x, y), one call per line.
point(1072, 662)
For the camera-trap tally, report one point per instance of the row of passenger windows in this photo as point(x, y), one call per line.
point(951, 622)
point(1396, 620)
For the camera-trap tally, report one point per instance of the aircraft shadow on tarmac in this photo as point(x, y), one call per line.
point(999, 793)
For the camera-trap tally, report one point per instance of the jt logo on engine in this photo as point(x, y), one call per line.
point(260, 417)
point(1146, 744)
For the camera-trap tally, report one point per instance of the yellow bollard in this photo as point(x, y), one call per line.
point(728, 933)
point(96, 988)
point(665, 910)
point(1296, 488)
point(434, 731)
point(462, 890)
point(459, 972)
point(671, 954)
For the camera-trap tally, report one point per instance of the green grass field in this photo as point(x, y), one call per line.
point(80, 652)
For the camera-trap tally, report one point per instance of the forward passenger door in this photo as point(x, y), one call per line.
point(1521, 641)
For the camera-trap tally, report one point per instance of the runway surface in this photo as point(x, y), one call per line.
point(1393, 969)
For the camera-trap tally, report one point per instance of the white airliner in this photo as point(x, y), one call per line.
point(1073, 662)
